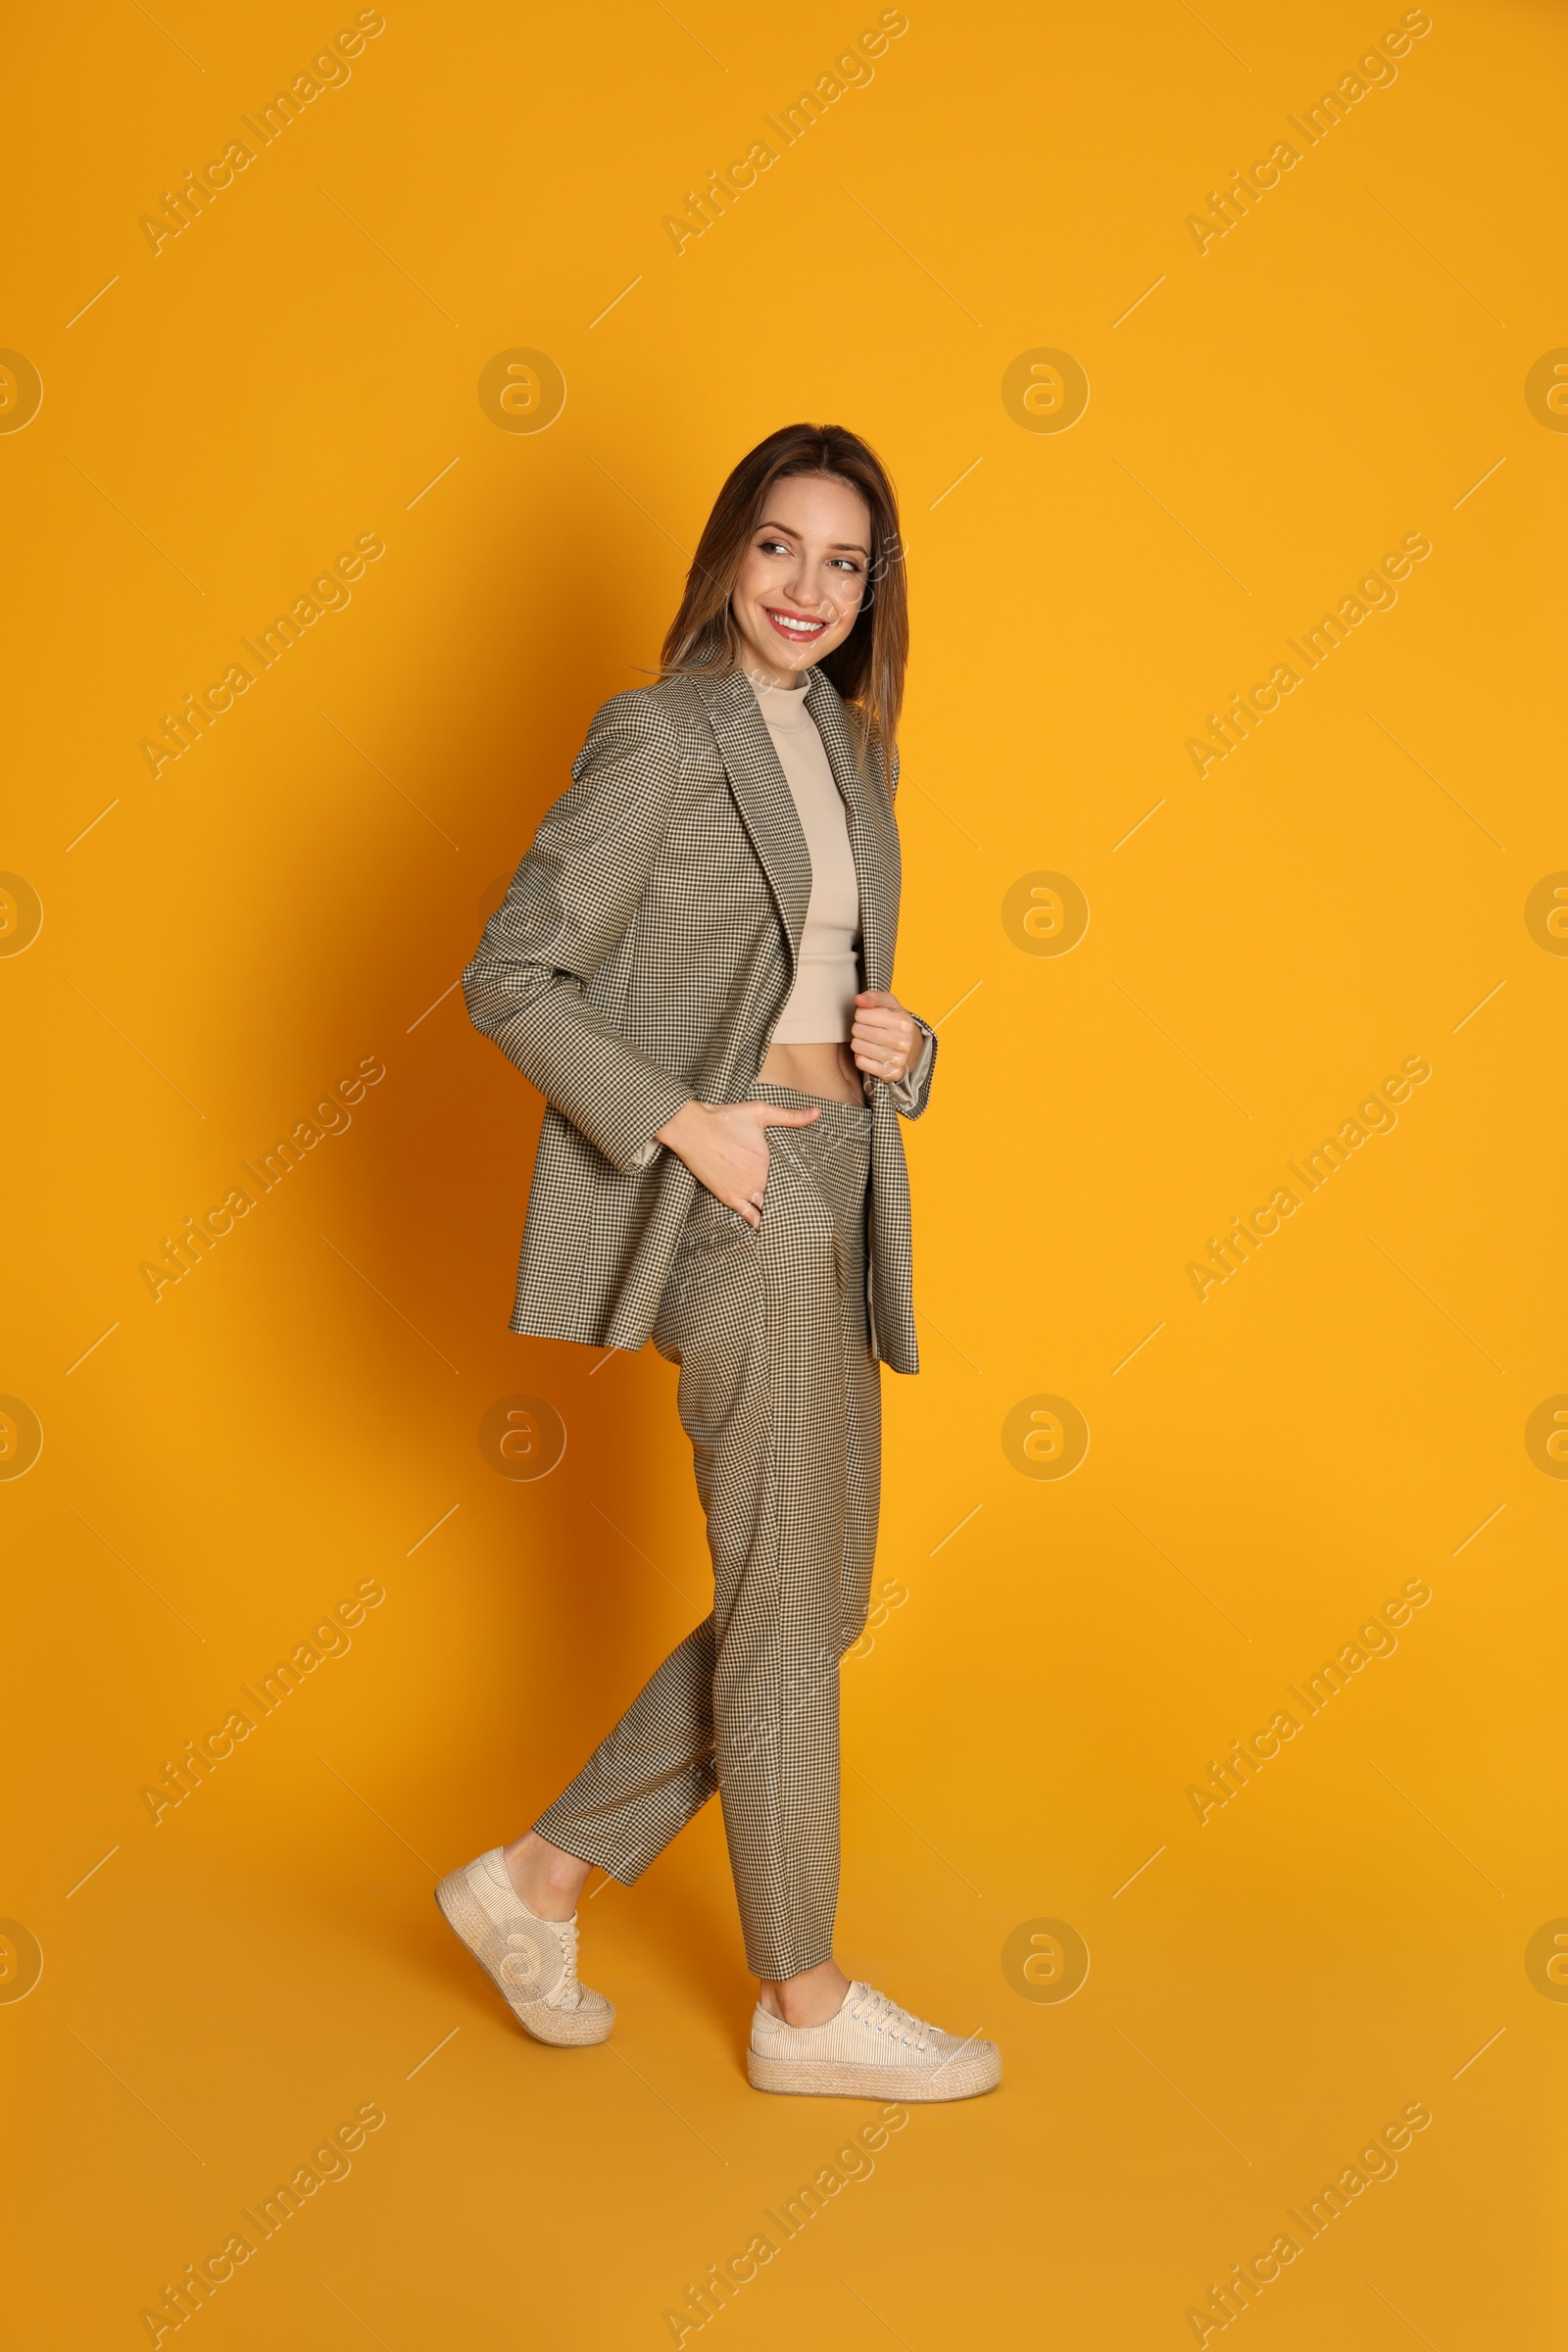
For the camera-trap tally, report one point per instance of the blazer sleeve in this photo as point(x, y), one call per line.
point(571, 903)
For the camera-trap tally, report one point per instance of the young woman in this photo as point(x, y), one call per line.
point(692, 967)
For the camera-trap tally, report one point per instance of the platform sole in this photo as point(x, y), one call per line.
point(966, 2078)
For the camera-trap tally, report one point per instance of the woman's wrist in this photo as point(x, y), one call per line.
point(681, 1129)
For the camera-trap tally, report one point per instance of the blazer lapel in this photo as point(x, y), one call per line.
point(767, 811)
point(763, 796)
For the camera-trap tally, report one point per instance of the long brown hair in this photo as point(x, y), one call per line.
point(867, 668)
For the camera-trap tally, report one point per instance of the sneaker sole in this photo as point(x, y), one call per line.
point(472, 1924)
point(823, 2079)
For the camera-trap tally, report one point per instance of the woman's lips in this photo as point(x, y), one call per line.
point(796, 628)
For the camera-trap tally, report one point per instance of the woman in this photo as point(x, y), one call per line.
point(692, 965)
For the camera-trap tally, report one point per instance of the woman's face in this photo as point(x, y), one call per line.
point(803, 576)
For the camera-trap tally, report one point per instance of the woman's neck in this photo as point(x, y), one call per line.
point(768, 680)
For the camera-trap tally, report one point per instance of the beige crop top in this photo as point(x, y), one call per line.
point(821, 1009)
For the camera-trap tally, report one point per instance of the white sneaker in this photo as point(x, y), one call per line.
point(532, 1962)
point(872, 2049)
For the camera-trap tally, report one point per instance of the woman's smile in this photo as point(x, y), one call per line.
point(798, 626)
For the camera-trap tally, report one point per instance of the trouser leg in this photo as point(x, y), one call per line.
point(780, 1397)
point(657, 1768)
point(801, 1594)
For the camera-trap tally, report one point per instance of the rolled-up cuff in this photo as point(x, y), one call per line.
point(908, 1089)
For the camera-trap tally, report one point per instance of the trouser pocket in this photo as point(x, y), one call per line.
point(716, 1245)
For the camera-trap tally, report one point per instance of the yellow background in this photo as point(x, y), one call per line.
point(291, 897)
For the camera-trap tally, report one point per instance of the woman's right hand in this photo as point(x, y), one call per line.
point(725, 1147)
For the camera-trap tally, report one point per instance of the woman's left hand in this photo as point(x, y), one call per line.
point(885, 1039)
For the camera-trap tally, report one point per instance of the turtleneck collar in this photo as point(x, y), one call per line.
point(783, 707)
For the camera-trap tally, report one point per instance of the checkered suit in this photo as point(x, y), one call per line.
point(641, 956)
point(779, 1393)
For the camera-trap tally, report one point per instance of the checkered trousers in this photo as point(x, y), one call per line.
point(779, 1393)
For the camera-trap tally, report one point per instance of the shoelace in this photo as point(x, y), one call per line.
point(567, 1993)
point(884, 2014)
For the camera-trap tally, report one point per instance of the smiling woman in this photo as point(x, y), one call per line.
point(694, 966)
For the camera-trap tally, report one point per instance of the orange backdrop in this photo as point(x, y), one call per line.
point(365, 383)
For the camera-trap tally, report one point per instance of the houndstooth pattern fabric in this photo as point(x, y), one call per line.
point(642, 955)
point(779, 1393)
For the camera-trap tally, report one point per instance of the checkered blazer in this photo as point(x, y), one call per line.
point(642, 957)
